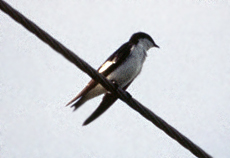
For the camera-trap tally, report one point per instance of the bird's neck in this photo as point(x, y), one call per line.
point(145, 44)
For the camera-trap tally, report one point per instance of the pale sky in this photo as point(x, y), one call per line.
point(185, 82)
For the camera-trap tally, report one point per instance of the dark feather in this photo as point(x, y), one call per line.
point(89, 87)
point(117, 57)
point(107, 101)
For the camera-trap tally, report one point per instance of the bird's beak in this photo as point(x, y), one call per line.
point(156, 46)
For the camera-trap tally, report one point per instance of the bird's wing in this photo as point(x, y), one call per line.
point(106, 68)
point(107, 101)
point(89, 87)
point(115, 59)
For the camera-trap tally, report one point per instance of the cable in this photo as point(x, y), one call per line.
point(123, 95)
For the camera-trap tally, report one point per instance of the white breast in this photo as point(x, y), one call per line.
point(130, 68)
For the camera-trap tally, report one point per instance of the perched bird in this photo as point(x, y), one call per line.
point(122, 67)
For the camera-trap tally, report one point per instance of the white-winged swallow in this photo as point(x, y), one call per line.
point(122, 67)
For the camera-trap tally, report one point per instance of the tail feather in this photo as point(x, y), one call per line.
point(84, 92)
point(107, 101)
point(76, 105)
point(74, 99)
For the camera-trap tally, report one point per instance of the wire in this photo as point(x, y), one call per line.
point(123, 95)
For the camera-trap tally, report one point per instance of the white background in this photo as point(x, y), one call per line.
point(186, 81)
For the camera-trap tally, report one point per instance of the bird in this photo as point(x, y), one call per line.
point(121, 68)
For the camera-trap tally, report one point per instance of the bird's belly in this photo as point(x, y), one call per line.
point(126, 72)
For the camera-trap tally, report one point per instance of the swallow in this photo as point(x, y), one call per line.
point(122, 67)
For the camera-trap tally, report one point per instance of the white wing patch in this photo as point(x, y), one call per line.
point(132, 48)
point(105, 66)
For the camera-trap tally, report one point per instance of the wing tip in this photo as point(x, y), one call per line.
point(73, 100)
point(78, 103)
point(85, 123)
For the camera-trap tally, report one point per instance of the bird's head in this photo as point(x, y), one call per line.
point(143, 39)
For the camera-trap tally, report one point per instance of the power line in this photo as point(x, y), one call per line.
point(123, 95)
